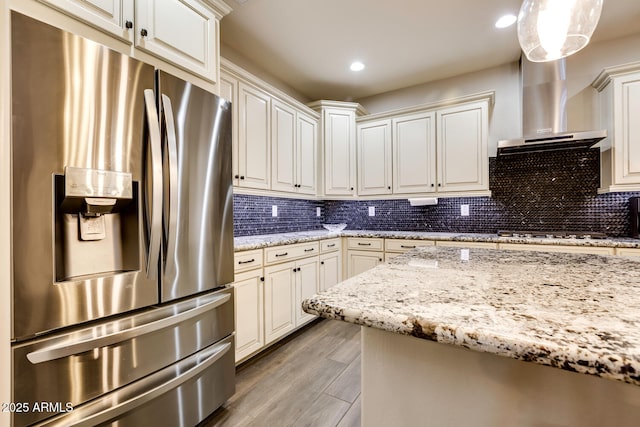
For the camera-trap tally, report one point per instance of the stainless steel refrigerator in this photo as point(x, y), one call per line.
point(122, 238)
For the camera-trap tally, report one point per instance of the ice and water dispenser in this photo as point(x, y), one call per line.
point(96, 222)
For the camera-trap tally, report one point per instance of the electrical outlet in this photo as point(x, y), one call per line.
point(318, 211)
point(464, 210)
point(372, 211)
point(464, 254)
point(274, 210)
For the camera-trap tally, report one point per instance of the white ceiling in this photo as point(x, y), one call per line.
point(309, 44)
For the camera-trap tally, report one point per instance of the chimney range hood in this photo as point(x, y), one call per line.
point(544, 111)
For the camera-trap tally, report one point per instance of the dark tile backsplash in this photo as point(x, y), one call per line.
point(548, 191)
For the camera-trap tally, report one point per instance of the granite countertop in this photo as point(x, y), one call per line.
point(261, 241)
point(575, 312)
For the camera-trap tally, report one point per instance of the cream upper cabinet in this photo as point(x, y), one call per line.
point(338, 146)
point(294, 150)
point(374, 157)
point(115, 17)
point(462, 148)
point(254, 142)
point(619, 98)
point(306, 153)
point(183, 32)
point(228, 89)
point(414, 153)
point(283, 147)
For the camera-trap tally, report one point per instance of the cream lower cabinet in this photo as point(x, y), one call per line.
point(249, 312)
point(330, 270)
point(363, 254)
point(306, 286)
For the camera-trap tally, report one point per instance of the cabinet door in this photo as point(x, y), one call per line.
point(183, 32)
point(626, 110)
point(249, 309)
point(462, 148)
point(279, 300)
point(374, 158)
point(330, 270)
point(283, 147)
point(414, 153)
point(339, 152)
point(361, 261)
point(307, 150)
point(115, 17)
point(254, 154)
point(306, 286)
point(228, 89)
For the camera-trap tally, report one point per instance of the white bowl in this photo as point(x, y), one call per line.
point(335, 227)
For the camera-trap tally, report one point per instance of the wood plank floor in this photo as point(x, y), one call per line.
point(309, 379)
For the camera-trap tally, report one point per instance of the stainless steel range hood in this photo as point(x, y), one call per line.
point(544, 111)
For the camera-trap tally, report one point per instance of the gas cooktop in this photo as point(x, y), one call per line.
point(552, 234)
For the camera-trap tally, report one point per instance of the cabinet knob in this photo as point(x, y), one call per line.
point(262, 279)
point(439, 185)
point(128, 25)
point(389, 188)
point(241, 176)
point(432, 185)
point(143, 32)
point(351, 188)
point(321, 262)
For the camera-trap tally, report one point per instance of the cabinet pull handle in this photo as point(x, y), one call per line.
point(364, 244)
point(262, 279)
point(236, 176)
point(389, 188)
point(309, 250)
point(331, 245)
point(284, 254)
point(241, 176)
point(432, 185)
point(380, 259)
point(247, 262)
point(143, 32)
point(128, 25)
point(408, 246)
point(322, 262)
point(351, 188)
point(439, 185)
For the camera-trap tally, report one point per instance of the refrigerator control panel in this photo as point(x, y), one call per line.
point(80, 182)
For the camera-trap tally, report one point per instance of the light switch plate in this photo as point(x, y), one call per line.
point(318, 211)
point(372, 211)
point(274, 210)
point(464, 210)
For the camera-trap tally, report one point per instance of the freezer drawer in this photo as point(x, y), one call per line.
point(180, 395)
point(82, 365)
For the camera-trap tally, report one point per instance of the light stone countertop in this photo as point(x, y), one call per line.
point(262, 241)
point(575, 312)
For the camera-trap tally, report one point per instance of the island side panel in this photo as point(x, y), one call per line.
point(411, 381)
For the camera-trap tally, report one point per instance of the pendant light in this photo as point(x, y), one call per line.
point(552, 29)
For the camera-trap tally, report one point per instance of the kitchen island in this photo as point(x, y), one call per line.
point(476, 337)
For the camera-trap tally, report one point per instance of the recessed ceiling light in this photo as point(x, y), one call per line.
point(357, 66)
point(506, 21)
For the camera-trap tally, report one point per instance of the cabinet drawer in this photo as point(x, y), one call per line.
point(596, 250)
point(403, 245)
point(289, 252)
point(365, 243)
point(329, 245)
point(483, 245)
point(247, 260)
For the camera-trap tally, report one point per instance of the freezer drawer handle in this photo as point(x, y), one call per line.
point(213, 355)
point(59, 351)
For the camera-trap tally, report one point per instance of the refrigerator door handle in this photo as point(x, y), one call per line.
point(205, 360)
point(171, 223)
point(155, 215)
point(66, 349)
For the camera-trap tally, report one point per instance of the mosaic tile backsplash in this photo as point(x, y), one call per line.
point(548, 191)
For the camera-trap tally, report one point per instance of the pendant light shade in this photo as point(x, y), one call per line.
point(552, 29)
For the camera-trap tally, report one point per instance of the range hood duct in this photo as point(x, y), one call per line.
point(544, 111)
